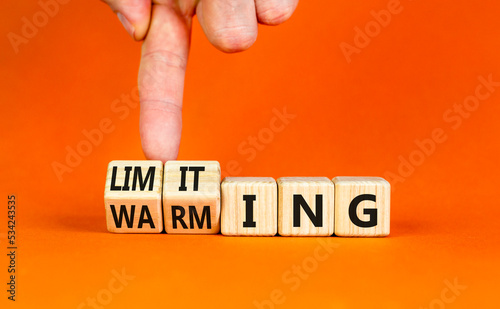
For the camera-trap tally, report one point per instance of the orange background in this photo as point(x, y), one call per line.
point(357, 118)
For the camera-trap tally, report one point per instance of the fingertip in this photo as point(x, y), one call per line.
point(273, 13)
point(230, 26)
point(160, 134)
point(139, 27)
point(126, 24)
point(134, 15)
point(233, 40)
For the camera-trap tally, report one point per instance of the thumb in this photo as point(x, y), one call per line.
point(134, 16)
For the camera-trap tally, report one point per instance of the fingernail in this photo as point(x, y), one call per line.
point(126, 24)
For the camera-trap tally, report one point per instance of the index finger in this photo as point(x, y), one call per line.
point(161, 82)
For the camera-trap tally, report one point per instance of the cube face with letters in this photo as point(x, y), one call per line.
point(249, 206)
point(362, 206)
point(132, 197)
point(191, 197)
point(305, 206)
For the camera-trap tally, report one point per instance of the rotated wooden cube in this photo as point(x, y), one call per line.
point(132, 197)
point(191, 197)
point(305, 206)
point(362, 206)
point(249, 206)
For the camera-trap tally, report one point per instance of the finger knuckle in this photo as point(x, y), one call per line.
point(162, 106)
point(166, 58)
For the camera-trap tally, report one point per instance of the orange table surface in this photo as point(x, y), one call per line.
point(416, 103)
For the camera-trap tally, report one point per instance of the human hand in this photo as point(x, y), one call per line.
point(165, 27)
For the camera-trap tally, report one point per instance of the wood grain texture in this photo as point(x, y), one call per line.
point(263, 191)
point(124, 198)
point(346, 190)
point(309, 188)
point(197, 209)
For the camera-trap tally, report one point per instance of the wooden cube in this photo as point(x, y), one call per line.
point(191, 197)
point(249, 206)
point(362, 206)
point(305, 206)
point(132, 197)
